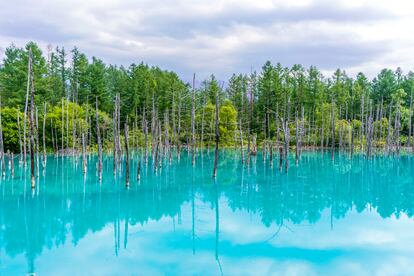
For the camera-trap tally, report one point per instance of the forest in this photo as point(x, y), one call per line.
point(82, 104)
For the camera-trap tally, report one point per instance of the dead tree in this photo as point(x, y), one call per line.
point(179, 126)
point(145, 131)
point(241, 141)
point(202, 120)
point(333, 131)
point(63, 126)
point(193, 124)
point(322, 132)
point(286, 140)
point(119, 130)
point(127, 154)
point(362, 124)
point(84, 153)
point(73, 127)
point(52, 136)
point(115, 130)
point(410, 114)
point(217, 137)
point(302, 132)
point(389, 139)
point(397, 126)
point(3, 166)
point(44, 135)
point(29, 70)
point(20, 138)
point(32, 125)
point(98, 139)
point(286, 135)
point(297, 139)
point(67, 126)
point(369, 127)
point(37, 142)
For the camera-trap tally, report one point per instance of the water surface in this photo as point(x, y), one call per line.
point(323, 217)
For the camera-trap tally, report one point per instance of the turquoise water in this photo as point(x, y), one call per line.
point(323, 217)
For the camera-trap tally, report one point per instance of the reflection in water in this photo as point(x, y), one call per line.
point(66, 207)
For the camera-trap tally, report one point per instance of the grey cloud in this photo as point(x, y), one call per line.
point(178, 38)
point(185, 25)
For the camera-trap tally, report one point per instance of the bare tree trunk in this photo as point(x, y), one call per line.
point(31, 123)
point(322, 133)
point(119, 130)
point(202, 120)
point(84, 153)
point(37, 143)
point(333, 131)
point(67, 126)
point(53, 138)
point(241, 141)
point(20, 138)
point(410, 114)
point(297, 139)
point(388, 143)
point(63, 130)
point(3, 166)
point(98, 139)
point(115, 129)
point(166, 135)
point(156, 150)
point(192, 124)
point(73, 128)
point(362, 124)
point(44, 136)
point(286, 138)
point(369, 136)
point(375, 129)
point(380, 135)
point(352, 138)
point(127, 154)
point(29, 70)
point(397, 126)
point(217, 138)
point(302, 132)
point(179, 127)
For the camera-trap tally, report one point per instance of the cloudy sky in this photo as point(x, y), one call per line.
point(221, 37)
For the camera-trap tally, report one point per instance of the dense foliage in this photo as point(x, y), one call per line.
point(258, 100)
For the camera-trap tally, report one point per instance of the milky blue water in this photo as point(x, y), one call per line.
point(323, 217)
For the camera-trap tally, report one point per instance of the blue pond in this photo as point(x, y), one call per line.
point(322, 217)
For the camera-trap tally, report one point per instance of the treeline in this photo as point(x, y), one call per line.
point(276, 106)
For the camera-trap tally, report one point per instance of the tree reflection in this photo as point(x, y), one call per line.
point(71, 206)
